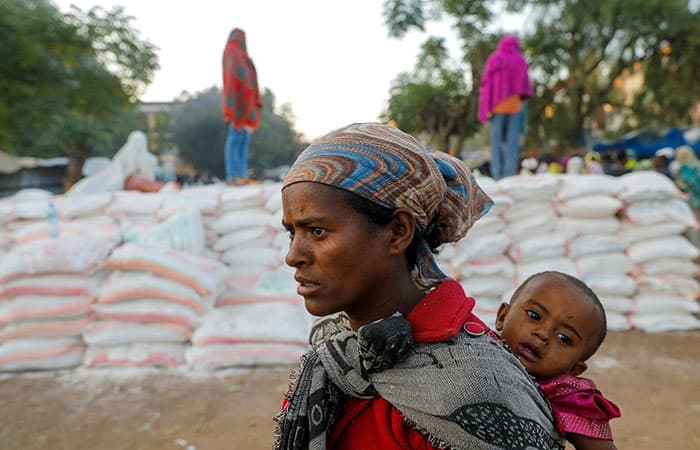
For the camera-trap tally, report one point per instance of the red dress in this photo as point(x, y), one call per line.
point(375, 423)
point(579, 407)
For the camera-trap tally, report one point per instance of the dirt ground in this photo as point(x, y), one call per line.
point(653, 378)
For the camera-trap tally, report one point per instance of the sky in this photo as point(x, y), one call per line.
point(331, 60)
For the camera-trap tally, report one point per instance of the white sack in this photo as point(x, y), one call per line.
point(669, 266)
point(663, 247)
point(611, 284)
point(135, 355)
point(548, 246)
point(564, 265)
point(603, 263)
point(46, 256)
point(580, 226)
point(182, 231)
point(213, 357)
point(500, 266)
point(633, 232)
point(106, 333)
point(481, 248)
point(203, 274)
point(647, 185)
point(541, 187)
point(246, 218)
point(539, 225)
point(254, 322)
point(574, 186)
point(590, 207)
point(661, 211)
point(589, 244)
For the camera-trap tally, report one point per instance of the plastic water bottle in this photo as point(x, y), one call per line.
point(52, 218)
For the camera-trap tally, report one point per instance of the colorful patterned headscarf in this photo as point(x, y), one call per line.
point(389, 167)
point(240, 95)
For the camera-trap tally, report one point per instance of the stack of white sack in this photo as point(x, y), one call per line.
point(146, 311)
point(655, 218)
point(479, 260)
point(4, 236)
point(537, 245)
point(261, 323)
point(588, 207)
point(205, 199)
point(249, 231)
point(183, 230)
point(26, 207)
point(35, 214)
point(47, 287)
point(134, 208)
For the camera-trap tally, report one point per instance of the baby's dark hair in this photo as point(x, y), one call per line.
point(588, 292)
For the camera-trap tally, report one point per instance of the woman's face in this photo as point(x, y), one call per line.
point(341, 259)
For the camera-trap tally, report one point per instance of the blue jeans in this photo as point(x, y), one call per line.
point(505, 133)
point(236, 153)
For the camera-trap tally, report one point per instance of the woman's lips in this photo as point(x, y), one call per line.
point(306, 287)
point(307, 290)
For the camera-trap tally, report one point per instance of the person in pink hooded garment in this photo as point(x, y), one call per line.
point(505, 84)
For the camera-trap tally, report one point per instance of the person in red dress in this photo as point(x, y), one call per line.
point(554, 323)
point(242, 105)
point(397, 359)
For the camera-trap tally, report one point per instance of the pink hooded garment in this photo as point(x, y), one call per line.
point(505, 75)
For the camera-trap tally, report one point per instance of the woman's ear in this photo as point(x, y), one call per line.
point(402, 228)
point(501, 315)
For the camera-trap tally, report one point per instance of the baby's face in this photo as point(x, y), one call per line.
point(550, 326)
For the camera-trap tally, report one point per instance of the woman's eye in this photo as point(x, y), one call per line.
point(318, 232)
point(564, 338)
point(533, 314)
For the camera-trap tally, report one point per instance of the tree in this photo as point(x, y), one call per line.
point(66, 80)
point(199, 132)
point(441, 96)
point(432, 99)
point(580, 53)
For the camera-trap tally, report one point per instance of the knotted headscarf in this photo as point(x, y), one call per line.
point(391, 168)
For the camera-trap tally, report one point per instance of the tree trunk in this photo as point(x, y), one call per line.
point(73, 171)
point(577, 125)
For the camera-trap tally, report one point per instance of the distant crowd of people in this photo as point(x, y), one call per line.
point(681, 165)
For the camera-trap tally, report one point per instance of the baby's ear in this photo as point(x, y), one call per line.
point(501, 315)
point(579, 368)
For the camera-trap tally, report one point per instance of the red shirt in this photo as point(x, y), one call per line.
point(374, 423)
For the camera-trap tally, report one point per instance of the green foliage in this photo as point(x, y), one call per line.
point(66, 81)
point(441, 96)
point(199, 132)
point(433, 98)
point(579, 50)
point(576, 49)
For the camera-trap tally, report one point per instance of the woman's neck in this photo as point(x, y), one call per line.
point(400, 296)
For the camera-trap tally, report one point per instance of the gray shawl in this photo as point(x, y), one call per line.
point(466, 393)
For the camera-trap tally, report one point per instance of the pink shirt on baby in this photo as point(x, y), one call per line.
point(579, 407)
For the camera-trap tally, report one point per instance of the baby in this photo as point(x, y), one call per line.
point(553, 324)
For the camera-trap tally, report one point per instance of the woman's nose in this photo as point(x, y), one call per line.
point(296, 253)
